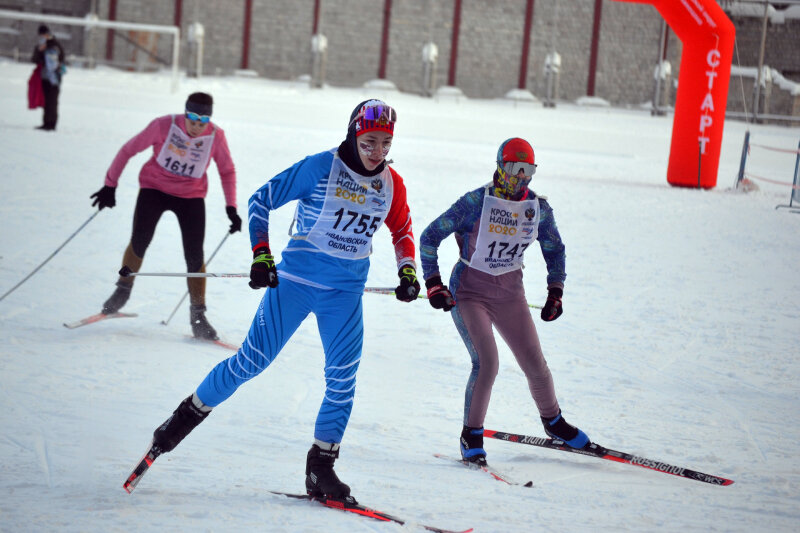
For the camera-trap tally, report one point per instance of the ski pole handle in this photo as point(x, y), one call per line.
point(127, 272)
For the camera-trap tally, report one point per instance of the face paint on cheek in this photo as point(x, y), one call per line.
point(365, 149)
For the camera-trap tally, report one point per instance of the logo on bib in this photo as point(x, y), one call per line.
point(501, 216)
point(529, 213)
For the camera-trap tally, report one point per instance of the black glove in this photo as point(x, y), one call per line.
point(104, 198)
point(236, 222)
point(408, 290)
point(552, 307)
point(439, 295)
point(263, 272)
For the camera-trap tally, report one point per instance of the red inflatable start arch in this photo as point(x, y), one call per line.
point(707, 35)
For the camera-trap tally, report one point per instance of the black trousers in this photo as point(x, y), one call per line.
point(50, 104)
point(191, 213)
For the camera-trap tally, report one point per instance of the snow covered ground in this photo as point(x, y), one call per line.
point(679, 341)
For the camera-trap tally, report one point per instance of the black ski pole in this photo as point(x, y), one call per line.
point(165, 322)
point(35, 270)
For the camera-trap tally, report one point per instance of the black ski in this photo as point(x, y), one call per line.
point(484, 468)
point(350, 505)
point(140, 469)
point(595, 450)
point(91, 319)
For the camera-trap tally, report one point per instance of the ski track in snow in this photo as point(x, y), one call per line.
point(678, 341)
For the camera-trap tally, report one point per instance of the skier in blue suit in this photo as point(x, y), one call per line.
point(344, 196)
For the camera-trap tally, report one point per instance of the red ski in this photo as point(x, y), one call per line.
point(140, 469)
point(97, 318)
point(222, 344)
point(350, 505)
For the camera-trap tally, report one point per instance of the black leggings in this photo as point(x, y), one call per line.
point(191, 213)
point(50, 116)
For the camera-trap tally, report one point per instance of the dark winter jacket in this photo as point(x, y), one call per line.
point(51, 59)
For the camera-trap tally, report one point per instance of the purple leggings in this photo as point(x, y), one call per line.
point(512, 319)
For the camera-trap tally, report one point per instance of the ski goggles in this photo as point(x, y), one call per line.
point(513, 168)
point(380, 113)
point(191, 115)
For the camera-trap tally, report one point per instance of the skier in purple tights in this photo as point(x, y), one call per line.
point(493, 225)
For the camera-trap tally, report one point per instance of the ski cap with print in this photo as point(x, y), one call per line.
point(516, 165)
point(372, 115)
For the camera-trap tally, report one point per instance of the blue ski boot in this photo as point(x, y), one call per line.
point(558, 428)
point(472, 446)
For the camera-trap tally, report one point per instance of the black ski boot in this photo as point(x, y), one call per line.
point(200, 326)
point(118, 298)
point(321, 480)
point(184, 419)
point(472, 446)
point(558, 428)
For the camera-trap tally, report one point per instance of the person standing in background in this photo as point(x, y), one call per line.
point(49, 56)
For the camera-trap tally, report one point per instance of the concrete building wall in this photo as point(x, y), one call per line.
point(414, 23)
point(280, 39)
point(18, 38)
point(489, 45)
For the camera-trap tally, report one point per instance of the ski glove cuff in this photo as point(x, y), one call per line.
point(236, 222)
point(439, 295)
point(105, 197)
point(263, 272)
point(552, 307)
point(408, 290)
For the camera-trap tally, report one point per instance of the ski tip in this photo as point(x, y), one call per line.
point(130, 483)
point(528, 484)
